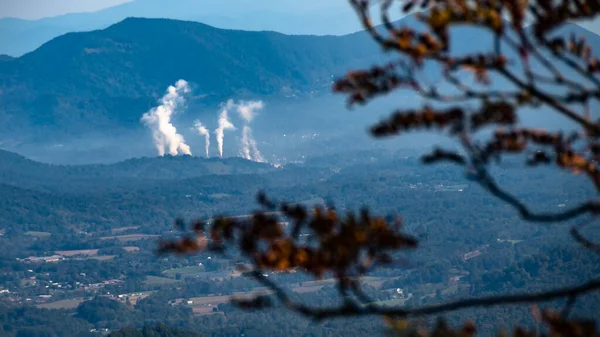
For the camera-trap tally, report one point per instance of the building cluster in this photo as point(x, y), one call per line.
point(395, 293)
point(40, 259)
point(100, 285)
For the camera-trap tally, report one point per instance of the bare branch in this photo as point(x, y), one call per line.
point(356, 310)
point(582, 240)
point(487, 182)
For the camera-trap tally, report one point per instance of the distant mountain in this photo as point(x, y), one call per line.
point(108, 78)
point(18, 171)
point(103, 81)
point(309, 17)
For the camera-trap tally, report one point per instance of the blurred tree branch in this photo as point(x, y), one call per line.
point(348, 247)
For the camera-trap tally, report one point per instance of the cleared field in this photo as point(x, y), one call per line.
point(203, 305)
point(219, 195)
point(62, 304)
point(131, 249)
point(306, 289)
point(512, 242)
point(38, 234)
point(98, 258)
point(367, 279)
point(68, 253)
point(317, 283)
point(204, 311)
point(452, 188)
point(243, 216)
point(129, 237)
point(134, 297)
point(215, 300)
point(123, 229)
point(183, 271)
point(101, 258)
point(394, 302)
point(156, 280)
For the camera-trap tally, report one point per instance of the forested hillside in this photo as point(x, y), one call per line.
point(105, 227)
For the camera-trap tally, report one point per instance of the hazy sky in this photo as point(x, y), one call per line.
point(35, 9)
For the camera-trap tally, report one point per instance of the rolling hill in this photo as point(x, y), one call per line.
point(20, 171)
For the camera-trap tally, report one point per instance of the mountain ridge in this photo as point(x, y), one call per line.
point(98, 75)
point(309, 17)
point(167, 167)
point(21, 36)
point(101, 82)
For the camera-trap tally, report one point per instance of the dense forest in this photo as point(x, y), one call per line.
point(95, 222)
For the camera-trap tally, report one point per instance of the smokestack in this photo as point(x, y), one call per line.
point(166, 138)
point(247, 111)
point(224, 124)
point(203, 131)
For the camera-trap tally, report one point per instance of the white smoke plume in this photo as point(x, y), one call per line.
point(224, 124)
point(247, 111)
point(203, 131)
point(246, 142)
point(249, 147)
point(158, 119)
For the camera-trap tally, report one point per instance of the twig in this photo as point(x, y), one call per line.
point(568, 306)
point(487, 182)
point(582, 240)
point(572, 64)
point(354, 310)
point(551, 101)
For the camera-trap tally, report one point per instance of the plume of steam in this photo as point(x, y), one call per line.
point(203, 131)
point(247, 111)
point(158, 119)
point(246, 142)
point(249, 147)
point(224, 124)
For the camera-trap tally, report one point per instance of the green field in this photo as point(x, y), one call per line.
point(38, 234)
point(317, 283)
point(395, 302)
point(183, 271)
point(366, 279)
point(156, 280)
point(219, 195)
point(62, 304)
point(512, 242)
point(101, 258)
point(129, 237)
